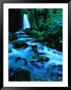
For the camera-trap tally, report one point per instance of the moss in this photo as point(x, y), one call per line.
point(19, 44)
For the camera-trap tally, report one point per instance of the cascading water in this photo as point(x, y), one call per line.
point(26, 23)
point(39, 70)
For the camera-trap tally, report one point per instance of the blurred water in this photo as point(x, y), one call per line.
point(26, 23)
point(37, 69)
point(22, 57)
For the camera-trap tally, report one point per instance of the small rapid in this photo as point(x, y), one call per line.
point(42, 62)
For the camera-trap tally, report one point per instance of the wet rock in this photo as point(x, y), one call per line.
point(19, 44)
point(19, 34)
point(41, 53)
point(18, 58)
point(32, 62)
point(10, 48)
point(59, 74)
point(41, 47)
point(43, 59)
point(20, 75)
point(11, 71)
point(46, 59)
point(36, 64)
point(60, 67)
point(22, 59)
point(34, 48)
point(25, 61)
point(54, 73)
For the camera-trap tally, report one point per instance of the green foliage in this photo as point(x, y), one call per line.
point(46, 25)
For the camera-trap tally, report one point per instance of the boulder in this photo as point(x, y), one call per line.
point(20, 75)
point(18, 58)
point(19, 44)
point(35, 49)
point(43, 59)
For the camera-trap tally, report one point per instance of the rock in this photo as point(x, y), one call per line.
point(59, 74)
point(11, 70)
point(43, 59)
point(20, 34)
point(60, 67)
point(40, 47)
point(36, 64)
point(10, 47)
point(54, 73)
point(18, 58)
point(32, 62)
point(25, 61)
point(34, 48)
point(41, 53)
point(46, 59)
point(10, 50)
point(20, 75)
point(19, 44)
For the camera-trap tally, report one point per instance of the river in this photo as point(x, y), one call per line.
point(42, 62)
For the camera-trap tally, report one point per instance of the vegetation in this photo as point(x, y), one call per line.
point(46, 25)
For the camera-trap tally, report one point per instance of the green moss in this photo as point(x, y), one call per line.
point(19, 44)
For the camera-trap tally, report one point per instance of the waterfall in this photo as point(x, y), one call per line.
point(26, 23)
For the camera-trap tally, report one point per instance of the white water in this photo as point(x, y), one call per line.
point(37, 69)
point(26, 23)
point(55, 57)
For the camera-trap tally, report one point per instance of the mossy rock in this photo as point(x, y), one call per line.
point(20, 75)
point(19, 44)
point(43, 59)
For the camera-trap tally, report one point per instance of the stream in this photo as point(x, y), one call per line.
point(36, 60)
